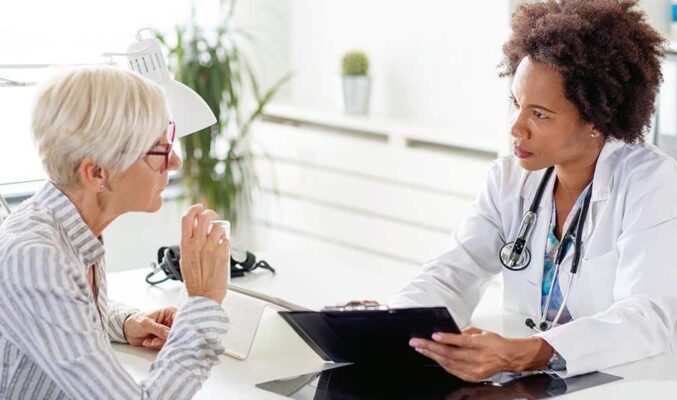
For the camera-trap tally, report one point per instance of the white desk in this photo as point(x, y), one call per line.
point(278, 352)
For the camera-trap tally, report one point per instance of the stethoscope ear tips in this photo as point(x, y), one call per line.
point(542, 327)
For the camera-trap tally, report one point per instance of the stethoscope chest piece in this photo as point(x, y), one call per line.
point(515, 255)
point(508, 254)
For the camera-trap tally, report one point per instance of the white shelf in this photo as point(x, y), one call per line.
point(399, 132)
point(672, 47)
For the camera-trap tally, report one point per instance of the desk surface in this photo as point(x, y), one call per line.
point(278, 352)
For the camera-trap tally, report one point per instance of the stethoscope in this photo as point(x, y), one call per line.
point(515, 255)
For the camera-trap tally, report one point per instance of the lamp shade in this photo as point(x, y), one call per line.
point(189, 111)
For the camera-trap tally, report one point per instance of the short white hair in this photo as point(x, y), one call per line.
point(108, 114)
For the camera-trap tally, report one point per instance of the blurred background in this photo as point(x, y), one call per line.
point(372, 122)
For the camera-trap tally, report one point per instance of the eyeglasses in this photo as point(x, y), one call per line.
point(162, 149)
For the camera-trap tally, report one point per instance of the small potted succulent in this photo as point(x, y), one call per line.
point(356, 82)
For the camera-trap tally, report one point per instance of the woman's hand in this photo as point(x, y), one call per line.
point(475, 354)
point(204, 254)
point(149, 330)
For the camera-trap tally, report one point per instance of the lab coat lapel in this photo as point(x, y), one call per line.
point(602, 184)
point(601, 187)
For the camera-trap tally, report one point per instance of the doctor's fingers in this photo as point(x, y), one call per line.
point(456, 354)
point(465, 340)
point(471, 330)
point(468, 371)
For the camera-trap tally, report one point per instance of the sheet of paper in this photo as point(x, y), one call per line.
point(245, 309)
point(245, 314)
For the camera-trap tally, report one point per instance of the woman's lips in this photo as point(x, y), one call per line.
point(519, 153)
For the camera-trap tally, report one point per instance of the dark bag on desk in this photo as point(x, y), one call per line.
point(168, 257)
point(374, 337)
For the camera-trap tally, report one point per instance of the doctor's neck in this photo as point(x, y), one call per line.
point(574, 176)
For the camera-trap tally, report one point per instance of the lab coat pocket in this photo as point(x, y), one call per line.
point(595, 284)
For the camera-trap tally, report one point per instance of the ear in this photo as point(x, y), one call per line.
point(92, 176)
point(595, 133)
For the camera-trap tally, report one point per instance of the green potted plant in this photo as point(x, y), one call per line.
point(356, 82)
point(218, 162)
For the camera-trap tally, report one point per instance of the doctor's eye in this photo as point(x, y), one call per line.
point(514, 102)
point(539, 115)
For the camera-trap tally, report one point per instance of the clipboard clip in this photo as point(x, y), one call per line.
point(358, 305)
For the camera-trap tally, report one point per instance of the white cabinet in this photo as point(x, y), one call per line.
point(360, 190)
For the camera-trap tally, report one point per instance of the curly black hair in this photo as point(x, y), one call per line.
point(608, 55)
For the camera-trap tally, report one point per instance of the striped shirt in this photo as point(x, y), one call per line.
point(55, 337)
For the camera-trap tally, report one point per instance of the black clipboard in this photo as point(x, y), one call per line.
point(370, 336)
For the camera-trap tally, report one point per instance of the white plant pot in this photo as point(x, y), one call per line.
point(356, 90)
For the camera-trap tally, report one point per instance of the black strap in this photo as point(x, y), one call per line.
point(263, 264)
point(579, 231)
point(153, 283)
point(541, 189)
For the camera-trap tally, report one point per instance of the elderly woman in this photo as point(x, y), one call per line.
point(582, 219)
point(105, 140)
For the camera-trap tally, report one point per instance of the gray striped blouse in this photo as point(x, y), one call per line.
point(55, 339)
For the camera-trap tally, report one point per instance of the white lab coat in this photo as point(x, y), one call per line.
point(624, 297)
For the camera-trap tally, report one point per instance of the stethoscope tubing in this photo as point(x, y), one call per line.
point(518, 248)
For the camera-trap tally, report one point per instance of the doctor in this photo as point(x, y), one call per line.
point(593, 266)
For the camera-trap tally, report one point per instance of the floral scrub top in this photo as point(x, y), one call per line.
point(551, 246)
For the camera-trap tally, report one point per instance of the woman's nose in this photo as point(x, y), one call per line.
point(518, 129)
point(175, 161)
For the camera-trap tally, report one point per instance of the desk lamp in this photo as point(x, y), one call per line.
point(190, 112)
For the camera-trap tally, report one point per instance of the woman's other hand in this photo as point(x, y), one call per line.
point(149, 330)
point(204, 254)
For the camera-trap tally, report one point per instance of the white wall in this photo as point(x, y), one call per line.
point(433, 61)
point(268, 22)
point(659, 14)
point(133, 239)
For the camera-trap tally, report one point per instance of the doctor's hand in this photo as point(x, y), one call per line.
point(149, 330)
point(475, 354)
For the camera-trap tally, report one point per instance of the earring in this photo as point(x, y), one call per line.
point(593, 134)
point(101, 186)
